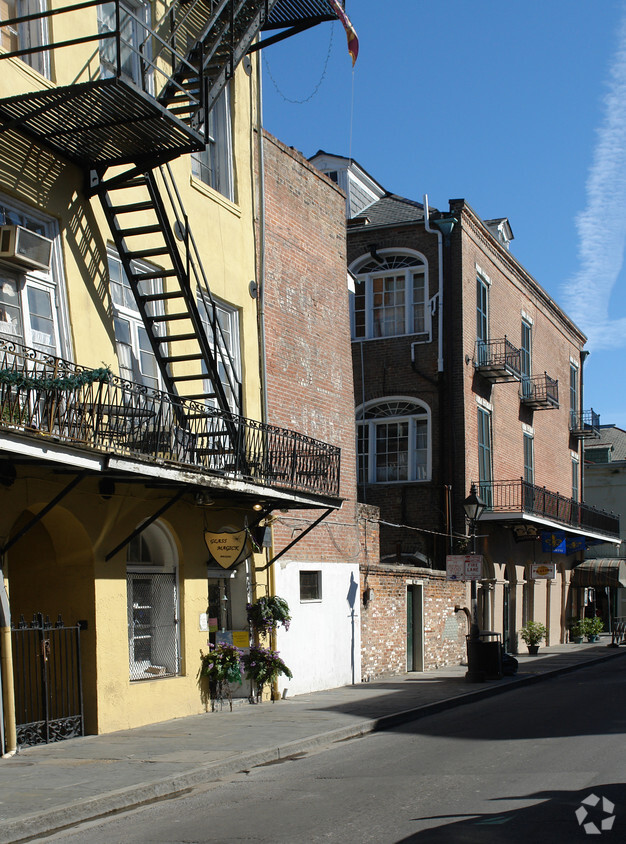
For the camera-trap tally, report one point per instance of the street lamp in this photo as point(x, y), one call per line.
point(474, 507)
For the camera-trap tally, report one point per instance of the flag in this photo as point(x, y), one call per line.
point(554, 542)
point(353, 41)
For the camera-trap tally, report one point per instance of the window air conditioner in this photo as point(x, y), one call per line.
point(22, 246)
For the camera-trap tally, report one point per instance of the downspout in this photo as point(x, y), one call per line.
point(428, 228)
point(584, 354)
point(7, 704)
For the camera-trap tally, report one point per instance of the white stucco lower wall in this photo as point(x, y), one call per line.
point(323, 644)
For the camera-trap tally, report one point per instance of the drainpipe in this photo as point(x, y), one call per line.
point(7, 703)
point(584, 354)
point(440, 290)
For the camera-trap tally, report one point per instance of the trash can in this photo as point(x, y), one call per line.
point(484, 656)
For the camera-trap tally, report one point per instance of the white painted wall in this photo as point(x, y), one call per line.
point(323, 644)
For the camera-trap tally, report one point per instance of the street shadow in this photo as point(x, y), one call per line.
point(598, 704)
point(562, 817)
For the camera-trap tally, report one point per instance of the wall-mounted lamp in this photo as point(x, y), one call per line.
point(258, 506)
point(203, 498)
point(368, 596)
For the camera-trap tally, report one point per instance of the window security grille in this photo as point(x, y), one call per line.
point(152, 625)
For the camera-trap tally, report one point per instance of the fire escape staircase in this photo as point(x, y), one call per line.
point(120, 121)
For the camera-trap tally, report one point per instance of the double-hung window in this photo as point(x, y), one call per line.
point(391, 298)
point(136, 359)
point(134, 41)
point(222, 332)
point(573, 395)
point(529, 458)
point(482, 318)
point(485, 463)
point(526, 357)
point(214, 164)
point(393, 442)
point(27, 35)
point(29, 299)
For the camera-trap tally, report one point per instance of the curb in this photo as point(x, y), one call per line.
point(33, 826)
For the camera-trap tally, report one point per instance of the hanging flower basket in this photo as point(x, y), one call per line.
point(267, 615)
point(221, 666)
point(263, 666)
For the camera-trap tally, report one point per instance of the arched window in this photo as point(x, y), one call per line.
point(152, 605)
point(391, 296)
point(394, 441)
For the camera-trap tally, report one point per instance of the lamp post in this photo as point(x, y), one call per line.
point(474, 507)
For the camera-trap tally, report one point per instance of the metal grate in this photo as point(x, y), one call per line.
point(153, 646)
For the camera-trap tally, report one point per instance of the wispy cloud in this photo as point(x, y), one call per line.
point(602, 225)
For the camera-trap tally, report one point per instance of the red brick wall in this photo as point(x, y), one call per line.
point(384, 620)
point(309, 369)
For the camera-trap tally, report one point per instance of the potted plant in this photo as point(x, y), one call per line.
point(593, 627)
point(532, 633)
point(577, 630)
point(221, 666)
point(267, 614)
point(263, 665)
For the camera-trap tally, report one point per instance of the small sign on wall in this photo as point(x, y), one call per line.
point(464, 566)
point(542, 571)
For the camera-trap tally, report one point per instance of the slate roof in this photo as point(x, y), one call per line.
point(610, 435)
point(390, 210)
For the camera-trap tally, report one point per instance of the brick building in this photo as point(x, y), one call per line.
point(308, 378)
point(466, 372)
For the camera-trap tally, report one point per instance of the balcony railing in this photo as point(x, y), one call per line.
point(498, 360)
point(521, 496)
point(46, 396)
point(584, 425)
point(539, 392)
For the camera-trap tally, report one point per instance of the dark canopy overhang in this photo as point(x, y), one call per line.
point(606, 571)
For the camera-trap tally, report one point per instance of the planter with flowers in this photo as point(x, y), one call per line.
point(221, 666)
point(263, 666)
point(267, 614)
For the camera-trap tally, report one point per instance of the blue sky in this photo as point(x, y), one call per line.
point(518, 107)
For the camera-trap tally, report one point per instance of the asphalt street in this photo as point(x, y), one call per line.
point(543, 763)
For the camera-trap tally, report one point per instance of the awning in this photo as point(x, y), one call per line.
point(606, 571)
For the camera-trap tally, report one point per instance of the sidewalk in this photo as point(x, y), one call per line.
point(53, 786)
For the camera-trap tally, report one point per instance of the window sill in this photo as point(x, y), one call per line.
point(215, 195)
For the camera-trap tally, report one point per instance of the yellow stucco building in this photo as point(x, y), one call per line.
point(132, 429)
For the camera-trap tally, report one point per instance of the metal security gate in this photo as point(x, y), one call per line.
point(47, 679)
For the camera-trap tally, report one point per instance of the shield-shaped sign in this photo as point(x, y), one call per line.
point(228, 549)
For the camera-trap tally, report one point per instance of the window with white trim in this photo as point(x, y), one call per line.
point(391, 297)
point(575, 479)
point(135, 21)
point(229, 363)
point(135, 357)
point(574, 401)
point(482, 310)
point(214, 164)
point(310, 586)
point(529, 458)
point(26, 35)
point(485, 459)
point(393, 442)
point(29, 299)
point(152, 605)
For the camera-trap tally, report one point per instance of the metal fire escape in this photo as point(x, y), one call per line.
point(149, 107)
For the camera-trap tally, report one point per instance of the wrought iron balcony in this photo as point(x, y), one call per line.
point(522, 497)
point(498, 360)
point(48, 397)
point(539, 392)
point(584, 425)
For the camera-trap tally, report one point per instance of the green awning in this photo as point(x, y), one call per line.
point(605, 571)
